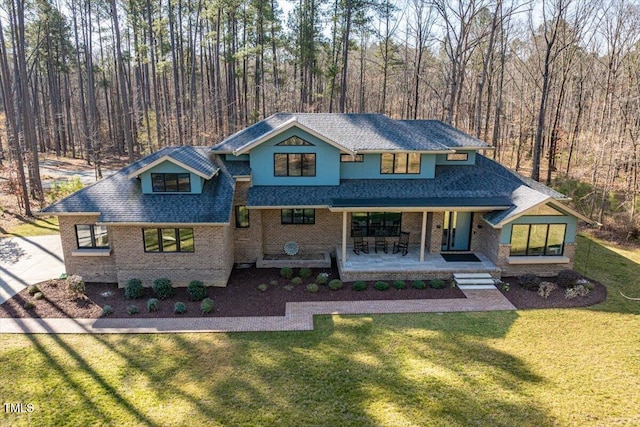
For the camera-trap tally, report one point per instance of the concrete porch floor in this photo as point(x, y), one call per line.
point(390, 266)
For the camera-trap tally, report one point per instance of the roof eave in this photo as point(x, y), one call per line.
point(167, 158)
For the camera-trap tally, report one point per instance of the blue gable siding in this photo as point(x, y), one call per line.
point(327, 161)
point(570, 234)
point(169, 167)
point(370, 168)
point(441, 159)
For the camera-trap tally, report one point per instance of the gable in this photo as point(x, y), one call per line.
point(170, 170)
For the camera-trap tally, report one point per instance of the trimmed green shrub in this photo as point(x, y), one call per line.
point(206, 306)
point(418, 284)
point(322, 279)
point(286, 273)
point(305, 272)
point(296, 281)
point(38, 296)
point(133, 309)
point(313, 288)
point(567, 278)
point(29, 305)
point(163, 288)
point(399, 284)
point(179, 308)
point(152, 304)
point(75, 285)
point(335, 284)
point(263, 287)
point(359, 286)
point(437, 283)
point(381, 286)
point(107, 310)
point(33, 289)
point(197, 290)
point(133, 289)
point(530, 282)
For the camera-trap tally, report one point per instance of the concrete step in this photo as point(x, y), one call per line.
point(476, 287)
point(474, 282)
point(472, 276)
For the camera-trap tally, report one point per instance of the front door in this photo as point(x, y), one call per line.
point(456, 231)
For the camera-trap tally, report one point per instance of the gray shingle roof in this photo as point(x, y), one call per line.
point(445, 134)
point(120, 199)
point(356, 132)
point(197, 158)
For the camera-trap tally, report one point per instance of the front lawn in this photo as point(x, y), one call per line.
point(534, 367)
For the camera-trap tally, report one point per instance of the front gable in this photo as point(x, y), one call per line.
point(170, 171)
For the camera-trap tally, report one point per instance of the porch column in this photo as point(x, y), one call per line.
point(344, 236)
point(423, 236)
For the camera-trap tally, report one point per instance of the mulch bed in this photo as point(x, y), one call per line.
point(241, 297)
point(524, 299)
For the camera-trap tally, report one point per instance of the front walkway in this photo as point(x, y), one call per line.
point(298, 317)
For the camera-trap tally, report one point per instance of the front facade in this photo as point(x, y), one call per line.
point(311, 182)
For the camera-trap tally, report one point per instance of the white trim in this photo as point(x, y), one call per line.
point(292, 122)
point(92, 252)
point(164, 224)
point(518, 260)
point(40, 213)
point(289, 207)
point(167, 158)
point(446, 151)
point(344, 237)
point(242, 178)
point(423, 235)
point(418, 209)
point(553, 202)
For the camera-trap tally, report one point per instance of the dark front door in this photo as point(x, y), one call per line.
point(456, 231)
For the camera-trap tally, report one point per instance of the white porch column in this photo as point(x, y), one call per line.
point(344, 236)
point(423, 236)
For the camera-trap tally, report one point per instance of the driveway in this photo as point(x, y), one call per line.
point(28, 260)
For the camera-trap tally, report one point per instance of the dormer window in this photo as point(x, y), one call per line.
point(171, 182)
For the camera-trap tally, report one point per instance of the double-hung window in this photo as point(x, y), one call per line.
point(294, 164)
point(537, 239)
point(92, 236)
point(168, 239)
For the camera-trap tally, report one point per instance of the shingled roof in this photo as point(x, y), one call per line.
point(195, 159)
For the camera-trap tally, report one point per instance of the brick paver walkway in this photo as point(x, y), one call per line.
point(298, 317)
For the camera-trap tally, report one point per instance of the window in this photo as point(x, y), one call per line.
point(171, 182)
point(537, 239)
point(295, 141)
point(298, 216)
point(351, 158)
point(400, 163)
point(168, 239)
point(294, 164)
point(369, 223)
point(90, 236)
point(242, 217)
point(457, 157)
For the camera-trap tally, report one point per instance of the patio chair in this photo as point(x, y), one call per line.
point(402, 245)
point(380, 241)
point(359, 244)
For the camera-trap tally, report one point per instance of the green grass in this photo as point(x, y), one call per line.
point(527, 368)
point(38, 227)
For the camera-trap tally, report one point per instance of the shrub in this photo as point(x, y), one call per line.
point(322, 279)
point(75, 285)
point(567, 278)
point(576, 291)
point(273, 283)
point(107, 310)
point(263, 287)
point(287, 288)
point(38, 296)
point(33, 289)
point(133, 309)
point(381, 286)
point(530, 282)
point(163, 288)
point(133, 289)
point(359, 286)
point(590, 286)
point(305, 272)
point(286, 273)
point(399, 284)
point(437, 283)
point(419, 284)
point(206, 306)
point(152, 304)
point(313, 288)
point(197, 290)
point(29, 305)
point(296, 281)
point(335, 284)
point(179, 308)
point(545, 289)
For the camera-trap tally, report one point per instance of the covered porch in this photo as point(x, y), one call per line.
point(415, 265)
